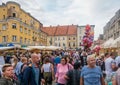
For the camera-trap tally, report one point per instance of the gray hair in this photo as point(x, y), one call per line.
point(90, 56)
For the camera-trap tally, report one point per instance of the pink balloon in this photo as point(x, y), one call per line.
point(97, 48)
point(88, 28)
point(85, 40)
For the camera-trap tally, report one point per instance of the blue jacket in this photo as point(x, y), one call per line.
point(29, 76)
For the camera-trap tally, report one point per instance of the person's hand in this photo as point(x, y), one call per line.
point(43, 81)
point(56, 80)
point(53, 78)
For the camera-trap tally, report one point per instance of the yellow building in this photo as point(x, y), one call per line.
point(19, 27)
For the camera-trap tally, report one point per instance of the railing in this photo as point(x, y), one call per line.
point(22, 23)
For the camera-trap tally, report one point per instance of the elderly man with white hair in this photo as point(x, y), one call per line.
point(91, 74)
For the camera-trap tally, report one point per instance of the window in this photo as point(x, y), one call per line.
point(73, 44)
point(14, 14)
point(73, 38)
point(79, 43)
point(14, 38)
point(55, 44)
point(64, 44)
point(3, 16)
point(21, 39)
point(21, 29)
point(55, 38)
point(25, 30)
point(31, 22)
point(50, 41)
point(29, 32)
point(118, 33)
point(14, 25)
point(59, 44)
point(58, 38)
point(29, 41)
point(13, 7)
point(4, 38)
point(63, 38)
point(119, 23)
point(33, 34)
point(25, 41)
point(69, 38)
point(69, 44)
point(4, 27)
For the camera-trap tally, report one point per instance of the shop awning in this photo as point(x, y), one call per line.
point(10, 44)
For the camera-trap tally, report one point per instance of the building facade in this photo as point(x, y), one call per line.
point(112, 28)
point(19, 27)
point(63, 36)
point(72, 37)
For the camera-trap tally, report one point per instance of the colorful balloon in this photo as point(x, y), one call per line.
point(92, 33)
point(88, 37)
point(87, 28)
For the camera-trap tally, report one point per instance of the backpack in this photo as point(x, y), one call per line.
point(20, 76)
point(74, 77)
point(48, 75)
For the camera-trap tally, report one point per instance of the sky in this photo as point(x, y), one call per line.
point(68, 12)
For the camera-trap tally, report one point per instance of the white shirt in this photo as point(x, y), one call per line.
point(47, 67)
point(108, 62)
point(117, 60)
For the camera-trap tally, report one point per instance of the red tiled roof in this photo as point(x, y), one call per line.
point(60, 30)
point(49, 30)
point(72, 30)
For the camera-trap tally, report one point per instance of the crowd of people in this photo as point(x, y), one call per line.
point(61, 68)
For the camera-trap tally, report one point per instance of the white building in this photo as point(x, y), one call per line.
point(81, 33)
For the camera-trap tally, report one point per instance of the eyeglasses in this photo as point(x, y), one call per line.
point(62, 60)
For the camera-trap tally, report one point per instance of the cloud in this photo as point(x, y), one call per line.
point(66, 12)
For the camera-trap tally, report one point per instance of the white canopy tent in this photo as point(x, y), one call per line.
point(6, 48)
point(31, 48)
point(9, 48)
point(45, 47)
point(115, 43)
point(26, 48)
point(53, 48)
point(37, 47)
point(108, 43)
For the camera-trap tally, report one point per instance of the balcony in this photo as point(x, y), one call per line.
point(21, 23)
point(28, 26)
point(13, 18)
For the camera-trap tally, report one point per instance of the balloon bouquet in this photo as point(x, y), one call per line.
point(96, 50)
point(87, 38)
